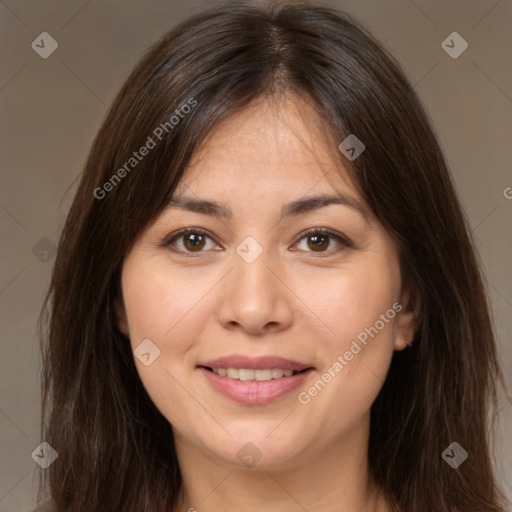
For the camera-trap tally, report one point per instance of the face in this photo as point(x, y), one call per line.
point(273, 319)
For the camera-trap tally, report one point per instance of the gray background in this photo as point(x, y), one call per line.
point(51, 109)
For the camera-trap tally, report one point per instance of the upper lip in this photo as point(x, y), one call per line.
point(258, 363)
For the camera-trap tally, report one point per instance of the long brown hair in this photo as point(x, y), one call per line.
point(115, 449)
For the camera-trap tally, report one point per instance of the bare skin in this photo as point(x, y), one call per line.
point(303, 298)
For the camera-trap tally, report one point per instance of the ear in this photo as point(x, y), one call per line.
point(408, 319)
point(122, 322)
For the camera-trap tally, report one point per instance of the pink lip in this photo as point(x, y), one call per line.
point(251, 392)
point(255, 392)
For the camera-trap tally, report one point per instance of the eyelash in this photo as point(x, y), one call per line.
point(342, 240)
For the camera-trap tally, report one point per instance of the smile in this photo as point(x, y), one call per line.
point(253, 373)
point(254, 381)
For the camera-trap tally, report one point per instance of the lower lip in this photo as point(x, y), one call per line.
point(252, 392)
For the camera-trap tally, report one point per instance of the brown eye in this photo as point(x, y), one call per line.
point(321, 240)
point(190, 240)
point(193, 241)
point(318, 242)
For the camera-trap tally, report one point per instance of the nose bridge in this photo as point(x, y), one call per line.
point(251, 274)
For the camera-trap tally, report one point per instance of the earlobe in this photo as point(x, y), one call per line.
point(122, 322)
point(407, 321)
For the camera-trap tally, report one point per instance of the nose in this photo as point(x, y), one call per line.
point(254, 297)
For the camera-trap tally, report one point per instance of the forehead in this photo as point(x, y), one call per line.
point(269, 143)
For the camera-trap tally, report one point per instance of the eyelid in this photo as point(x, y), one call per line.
point(168, 240)
point(343, 240)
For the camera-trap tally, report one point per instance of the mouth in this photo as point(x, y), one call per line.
point(250, 374)
point(254, 381)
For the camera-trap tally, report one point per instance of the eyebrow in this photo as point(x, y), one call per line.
point(298, 207)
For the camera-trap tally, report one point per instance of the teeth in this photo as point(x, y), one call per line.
point(252, 374)
point(262, 374)
point(276, 373)
point(244, 374)
point(233, 373)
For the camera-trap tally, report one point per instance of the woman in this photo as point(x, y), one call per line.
point(266, 294)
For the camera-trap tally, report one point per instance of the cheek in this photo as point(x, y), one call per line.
point(159, 304)
point(357, 305)
point(167, 309)
point(350, 301)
